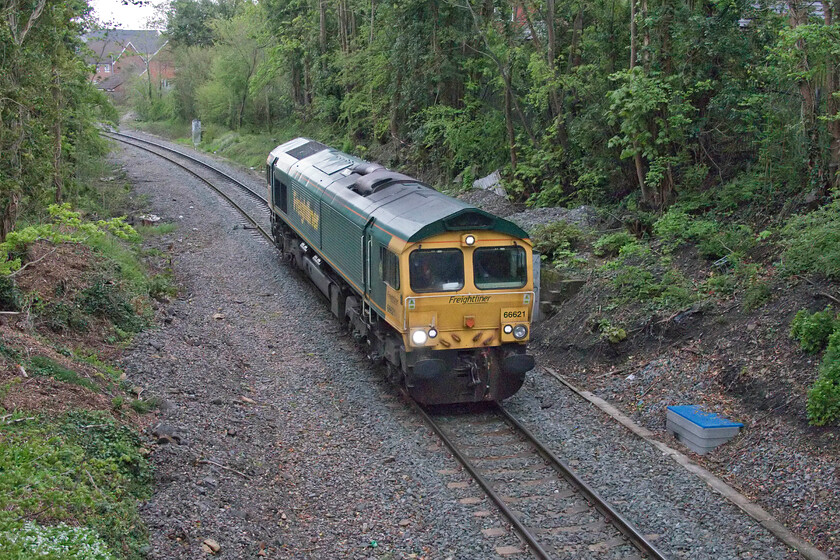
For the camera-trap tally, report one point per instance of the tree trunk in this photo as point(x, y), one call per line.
point(551, 56)
point(510, 130)
point(807, 91)
point(831, 9)
point(372, 20)
point(9, 216)
point(322, 25)
point(58, 180)
point(393, 124)
point(633, 53)
point(646, 39)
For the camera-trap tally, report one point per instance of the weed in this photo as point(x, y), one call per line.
point(57, 541)
point(60, 317)
point(107, 300)
point(80, 469)
point(41, 365)
point(554, 237)
point(11, 299)
point(144, 406)
point(824, 396)
point(756, 295)
point(720, 285)
point(611, 333)
point(813, 330)
point(160, 229)
point(813, 242)
point(162, 286)
point(611, 244)
point(713, 239)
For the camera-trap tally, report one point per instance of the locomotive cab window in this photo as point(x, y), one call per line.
point(280, 195)
point(499, 267)
point(389, 268)
point(436, 270)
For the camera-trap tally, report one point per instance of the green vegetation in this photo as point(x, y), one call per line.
point(813, 330)
point(716, 101)
point(49, 110)
point(610, 245)
point(81, 468)
point(639, 275)
point(824, 396)
point(813, 242)
point(41, 365)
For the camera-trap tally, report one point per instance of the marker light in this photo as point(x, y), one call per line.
point(520, 332)
point(508, 329)
point(432, 333)
point(469, 240)
point(419, 338)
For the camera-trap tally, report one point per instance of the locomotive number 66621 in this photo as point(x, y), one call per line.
point(442, 292)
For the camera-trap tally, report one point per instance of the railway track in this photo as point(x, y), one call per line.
point(555, 513)
point(143, 144)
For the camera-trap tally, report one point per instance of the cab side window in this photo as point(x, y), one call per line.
point(390, 268)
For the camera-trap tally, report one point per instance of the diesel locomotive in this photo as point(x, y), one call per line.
point(440, 291)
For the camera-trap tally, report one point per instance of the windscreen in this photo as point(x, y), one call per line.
point(499, 267)
point(436, 270)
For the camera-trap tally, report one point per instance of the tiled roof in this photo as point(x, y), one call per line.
point(107, 45)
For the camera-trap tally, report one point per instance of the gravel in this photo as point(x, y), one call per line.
point(289, 442)
point(529, 220)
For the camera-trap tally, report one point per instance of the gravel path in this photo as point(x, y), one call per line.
point(285, 443)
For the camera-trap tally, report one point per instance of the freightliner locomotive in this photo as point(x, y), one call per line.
point(441, 292)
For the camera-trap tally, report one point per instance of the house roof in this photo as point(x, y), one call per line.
point(111, 82)
point(108, 45)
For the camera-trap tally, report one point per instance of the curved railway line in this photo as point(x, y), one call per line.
point(139, 143)
point(555, 513)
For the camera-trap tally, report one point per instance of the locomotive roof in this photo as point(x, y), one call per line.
point(401, 205)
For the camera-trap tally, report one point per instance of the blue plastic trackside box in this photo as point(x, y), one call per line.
point(699, 430)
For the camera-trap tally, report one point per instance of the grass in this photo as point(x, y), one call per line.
point(41, 365)
point(78, 469)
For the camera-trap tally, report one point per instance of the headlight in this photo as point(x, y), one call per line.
point(520, 332)
point(508, 329)
point(432, 333)
point(469, 240)
point(419, 338)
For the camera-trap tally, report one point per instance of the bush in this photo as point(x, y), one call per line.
point(81, 469)
point(714, 240)
point(611, 244)
point(813, 242)
point(812, 330)
point(824, 396)
point(756, 295)
point(551, 238)
point(41, 365)
point(110, 302)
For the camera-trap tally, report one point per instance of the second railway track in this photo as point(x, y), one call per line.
point(147, 146)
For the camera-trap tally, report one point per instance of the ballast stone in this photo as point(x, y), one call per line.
point(699, 430)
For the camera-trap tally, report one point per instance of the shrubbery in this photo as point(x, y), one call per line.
point(816, 331)
point(812, 330)
point(824, 396)
point(81, 468)
point(813, 242)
